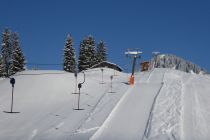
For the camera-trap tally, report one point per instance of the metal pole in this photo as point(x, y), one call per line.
point(12, 98)
point(80, 86)
point(102, 76)
point(78, 99)
point(111, 77)
point(134, 63)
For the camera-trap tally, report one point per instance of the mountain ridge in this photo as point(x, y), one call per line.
point(178, 63)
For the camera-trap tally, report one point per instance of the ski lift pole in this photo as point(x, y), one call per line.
point(12, 82)
point(135, 54)
point(102, 76)
point(133, 69)
point(111, 77)
point(80, 86)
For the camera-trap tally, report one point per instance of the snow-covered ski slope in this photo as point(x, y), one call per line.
point(163, 104)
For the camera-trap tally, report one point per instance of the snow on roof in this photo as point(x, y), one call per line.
point(109, 65)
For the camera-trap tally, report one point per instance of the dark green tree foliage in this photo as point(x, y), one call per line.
point(1, 66)
point(101, 52)
point(6, 51)
point(69, 64)
point(87, 54)
point(18, 59)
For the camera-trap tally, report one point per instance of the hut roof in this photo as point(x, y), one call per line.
point(108, 65)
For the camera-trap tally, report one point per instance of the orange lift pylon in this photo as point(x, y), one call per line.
point(134, 54)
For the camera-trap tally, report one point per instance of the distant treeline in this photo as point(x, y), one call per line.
point(12, 59)
point(89, 54)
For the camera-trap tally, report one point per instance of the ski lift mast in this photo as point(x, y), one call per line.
point(136, 53)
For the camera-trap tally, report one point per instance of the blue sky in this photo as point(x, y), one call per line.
point(177, 27)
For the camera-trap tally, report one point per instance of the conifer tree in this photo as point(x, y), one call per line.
point(69, 64)
point(1, 66)
point(82, 60)
point(18, 59)
point(101, 52)
point(6, 51)
point(87, 54)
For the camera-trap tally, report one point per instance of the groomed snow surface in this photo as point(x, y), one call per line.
point(163, 104)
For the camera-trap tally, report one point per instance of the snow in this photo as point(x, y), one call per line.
point(45, 101)
point(163, 104)
point(166, 115)
point(197, 107)
point(127, 120)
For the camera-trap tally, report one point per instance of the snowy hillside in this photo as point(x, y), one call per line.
point(172, 61)
point(46, 103)
point(163, 104)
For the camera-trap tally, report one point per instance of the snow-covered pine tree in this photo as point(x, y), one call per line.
point(101, 52)
point(18, 59)
point(6, 51)
point(87, 54)
point(69, 64)
point(92, 50)
point(1, 66)
point(82, 60)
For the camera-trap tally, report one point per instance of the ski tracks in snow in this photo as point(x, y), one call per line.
point(196, 114)
point(199, 118)
point(141, 96)
point(166, 114)
point(33, 134)
point(147, 129)
point(99, 112)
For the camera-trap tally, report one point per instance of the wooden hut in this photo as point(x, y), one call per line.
point(145, 66)
point(107, 64)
